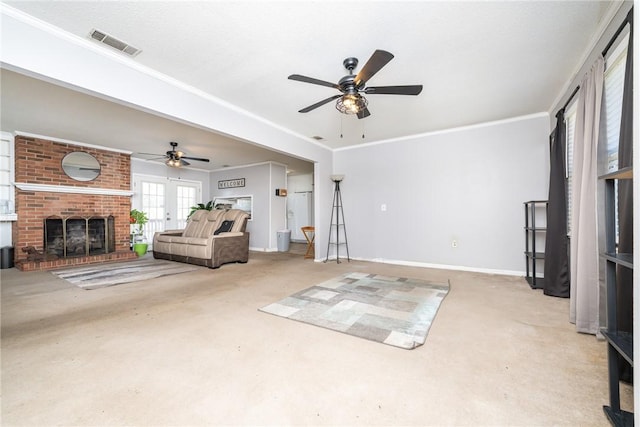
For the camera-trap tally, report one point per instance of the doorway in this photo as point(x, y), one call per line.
point(166, 201)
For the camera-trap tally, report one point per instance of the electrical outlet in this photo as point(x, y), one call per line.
point(454, 243)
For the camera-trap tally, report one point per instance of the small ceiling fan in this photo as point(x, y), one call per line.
point(351, 86)
point(176, 158)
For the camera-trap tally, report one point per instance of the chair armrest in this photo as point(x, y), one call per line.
point(172, 232)
point(228, 234)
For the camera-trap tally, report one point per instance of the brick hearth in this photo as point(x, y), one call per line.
point(48, 191)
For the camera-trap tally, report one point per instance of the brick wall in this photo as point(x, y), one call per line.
point(39, 161)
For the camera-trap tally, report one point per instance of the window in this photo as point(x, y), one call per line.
point(7, 192)
point(186, 197)
point(612, 102)
point(153, 204)
point(609, 121)
point(611, 117)
point(244, 203)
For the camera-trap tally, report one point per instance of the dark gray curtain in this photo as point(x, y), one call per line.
point(556, 257)
point(625, 202)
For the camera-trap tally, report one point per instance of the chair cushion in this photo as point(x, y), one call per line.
point(212, 223)
point(195, 224)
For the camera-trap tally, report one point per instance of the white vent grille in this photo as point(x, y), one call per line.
point(113, 42)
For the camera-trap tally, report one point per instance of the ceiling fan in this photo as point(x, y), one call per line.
point(176, 158)
point(350, 100)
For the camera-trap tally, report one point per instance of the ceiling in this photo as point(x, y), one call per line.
point(478, 62)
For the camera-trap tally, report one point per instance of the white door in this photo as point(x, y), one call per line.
point(167, 202)
point(299, 213)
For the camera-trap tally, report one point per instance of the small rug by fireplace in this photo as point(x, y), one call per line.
point(391, 310)
point(103, 275)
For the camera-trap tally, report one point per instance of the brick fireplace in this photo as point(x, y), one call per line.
point(43, 190)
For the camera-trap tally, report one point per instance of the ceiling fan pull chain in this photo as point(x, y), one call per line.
point(362, 129)
point(341, 120)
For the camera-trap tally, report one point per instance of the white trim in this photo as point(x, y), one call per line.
point(25, 186)
point(11, 214)
point(67, 141)
point(271, 207)
point(445, 131)
point(8, 217)
point(167, 178)
point(263, 249)
point(251, 165)
point(436, 266)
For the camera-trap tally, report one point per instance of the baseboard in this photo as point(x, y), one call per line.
point(443, 266)
point(412, 264)
point(263, 249)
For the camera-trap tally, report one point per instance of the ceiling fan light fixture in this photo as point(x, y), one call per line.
point(351, 103)
point(173, 163)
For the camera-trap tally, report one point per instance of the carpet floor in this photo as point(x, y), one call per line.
point(193, 350)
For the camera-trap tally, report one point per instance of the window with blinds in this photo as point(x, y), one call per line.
point(609, 121)
point(611, 116)
point(612, 101)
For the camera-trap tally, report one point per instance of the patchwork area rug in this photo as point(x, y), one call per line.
point(391, 310)
point(103, 275)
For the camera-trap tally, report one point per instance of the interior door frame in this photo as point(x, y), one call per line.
point(170, 193)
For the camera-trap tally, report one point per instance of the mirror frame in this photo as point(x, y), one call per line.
point(81, 166)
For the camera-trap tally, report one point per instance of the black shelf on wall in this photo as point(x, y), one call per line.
point(532, 232)
point(618, 342)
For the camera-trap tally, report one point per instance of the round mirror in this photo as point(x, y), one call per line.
point(81, 166)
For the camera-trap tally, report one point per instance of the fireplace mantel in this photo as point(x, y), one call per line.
point(25, 186)
point(44, 190)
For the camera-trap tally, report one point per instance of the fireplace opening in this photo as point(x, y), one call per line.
point(77, 236)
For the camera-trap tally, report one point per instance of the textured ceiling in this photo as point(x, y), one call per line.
point(478, 61)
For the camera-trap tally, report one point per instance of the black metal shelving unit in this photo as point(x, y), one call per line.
point(531, 232)
point(618, 342)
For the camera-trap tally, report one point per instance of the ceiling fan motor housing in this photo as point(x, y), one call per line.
point(350, 64)
point(347, 84)
point(173, 153)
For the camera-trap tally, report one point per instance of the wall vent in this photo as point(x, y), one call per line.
point(115, 43)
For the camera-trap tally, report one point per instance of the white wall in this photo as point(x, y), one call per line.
point(161, 170)
point(299, 183)
point(465, 184)
point(278, 179)
point(269, 210)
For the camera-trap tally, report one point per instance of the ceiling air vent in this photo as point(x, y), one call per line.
point(109, 40)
